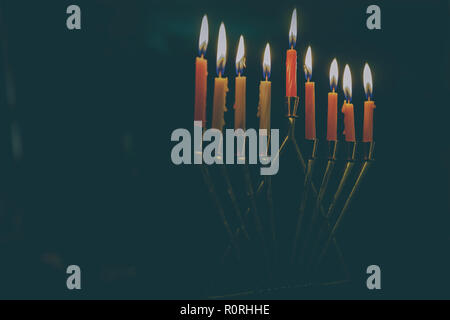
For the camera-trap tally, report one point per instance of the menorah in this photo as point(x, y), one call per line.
point(316, 225)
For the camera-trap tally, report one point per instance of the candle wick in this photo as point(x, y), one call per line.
point(202, 55)
point(333, 89)
point(266, 77)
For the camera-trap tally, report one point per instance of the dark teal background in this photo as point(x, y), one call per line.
point(95, 185)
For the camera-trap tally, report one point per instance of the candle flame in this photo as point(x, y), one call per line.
point(240, 57)
point(293, 29)
point(334, 74)
point(347, 83)
point(221, 50)
point(204, 34)
point(308, 64)
point(367, 75)
point(266, 62)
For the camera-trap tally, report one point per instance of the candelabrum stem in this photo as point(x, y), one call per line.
point(331, 208)
point(355, 188)
point(315, 216)
point(238, 229)
point(233, 199)
point(271, 209)
point(208, 181)
point(304, 201)
point(258, 223)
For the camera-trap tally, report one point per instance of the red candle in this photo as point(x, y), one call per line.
point(347, 108)
point(369, 105)
point(332, 103)
point(201, 73)
point(310, 102)
point(291, 59)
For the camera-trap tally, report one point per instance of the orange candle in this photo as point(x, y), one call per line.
point(291, 59)
point(240, 92)
point(220, 83)
point(201, 73)
point(310, 102)
point(347, 108)
point(265, 93)
point(369, 105)
point(332, 103)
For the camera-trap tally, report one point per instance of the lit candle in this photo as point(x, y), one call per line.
point(332, 103)
point(220, 83)
point(291, 59)
point(369, 105)
point(239, 104)
point(201, 73)
point(347, 108)
point(310, 102)
point(265, 93)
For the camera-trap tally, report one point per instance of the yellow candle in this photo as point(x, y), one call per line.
point(369, 106)
point(220, 83)
point(240, 92)
point(265, 93)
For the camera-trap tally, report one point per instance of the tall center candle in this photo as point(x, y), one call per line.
point(347, 108)
point(310, 100)
point(332, 103)
point(291, 59)
point(220, 83)
point(369, 105)
point(201, 74)
point(240, 92)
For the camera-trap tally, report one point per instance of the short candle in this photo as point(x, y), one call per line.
point(332, 103)
point(240, 88)
point(220, 83)
point(369, 105)
point(347, 108)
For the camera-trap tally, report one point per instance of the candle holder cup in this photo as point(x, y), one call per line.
point(292, 107)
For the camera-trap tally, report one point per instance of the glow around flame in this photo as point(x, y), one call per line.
point(308, 64)
point(347, 83)
point(204, 35)
point(221, 50)
point(293, 29)
point(368, 86)
point(240, 56)
point(266, 62)
point(334, 74)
